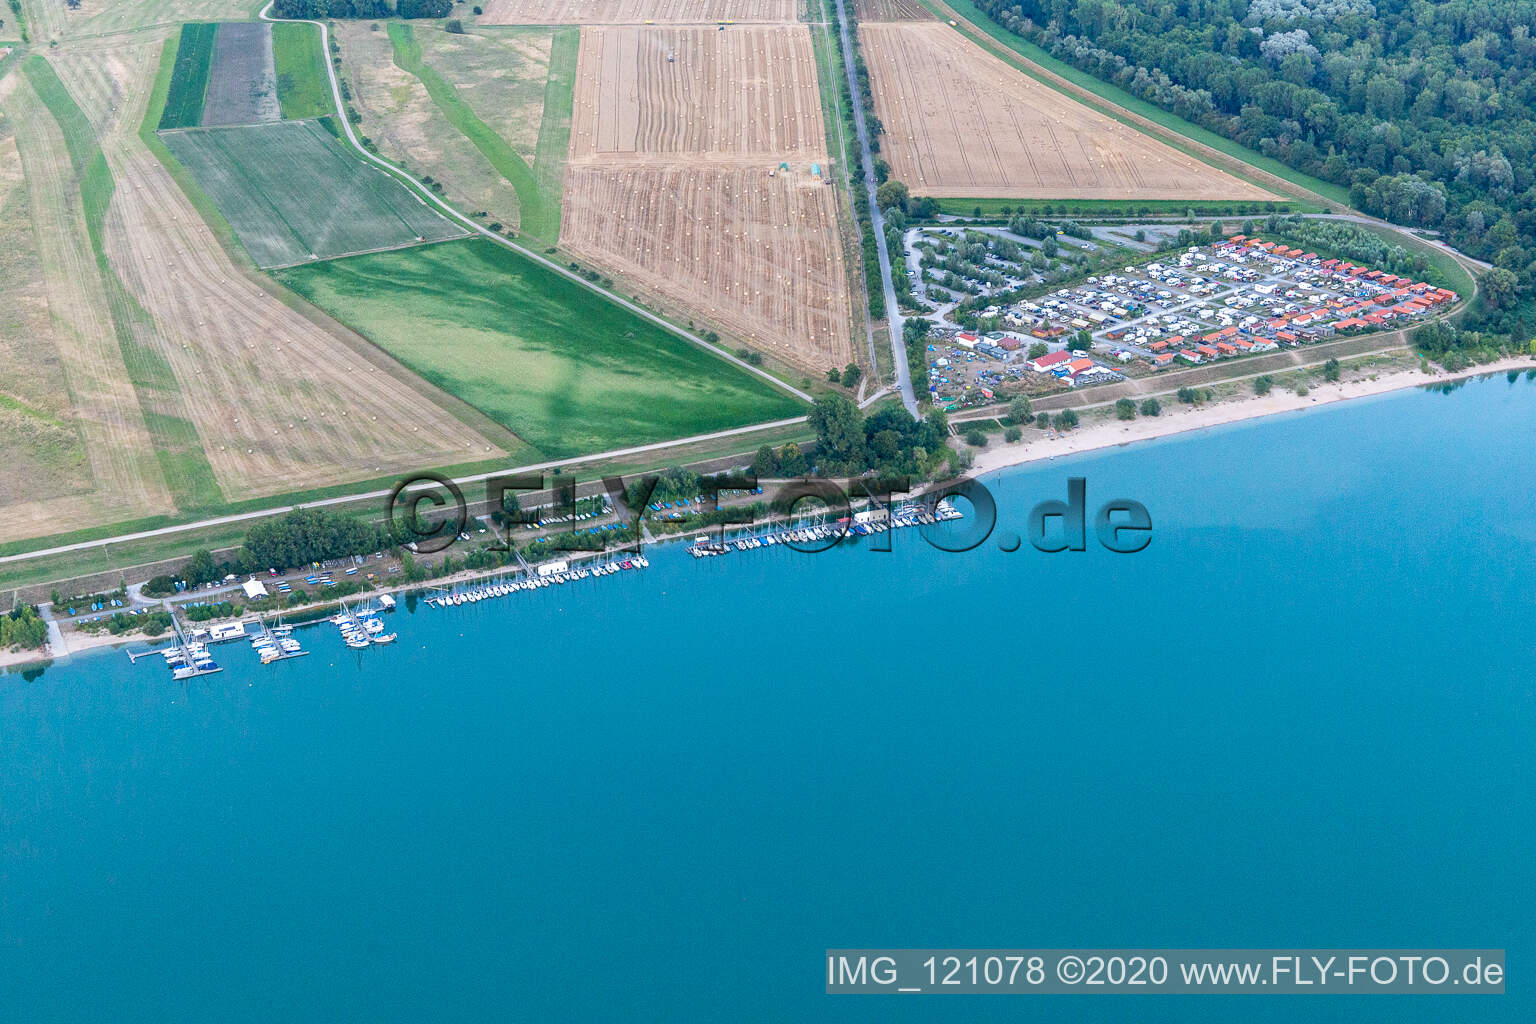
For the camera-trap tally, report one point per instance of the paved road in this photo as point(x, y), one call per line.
point(242, 517)
point(460, 219)
point(877, 225)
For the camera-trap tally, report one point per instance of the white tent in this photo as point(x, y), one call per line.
point(253, 589)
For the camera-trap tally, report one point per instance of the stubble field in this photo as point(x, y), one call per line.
point(191, 381)
point(635, 12)
point(677, 184)
point(960, 122)
point(65, 339)
point(891, 10)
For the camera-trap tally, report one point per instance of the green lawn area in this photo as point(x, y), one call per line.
point(1118, 96)
point(291, 190)
point(538, 207)
point(565, 370)
point(189, 82)
point(303, 87)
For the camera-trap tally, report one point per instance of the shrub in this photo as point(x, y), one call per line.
point(975, 438)
point(1125, 409)
point(1151, 407)
point(455, 27)
point(1012, 435)
point(1066, 419)
point(1261, 385)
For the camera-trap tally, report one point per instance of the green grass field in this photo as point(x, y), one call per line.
point(290, 191)
point(563, 369)
point(1114, 94)
point(538, 199)
point(189, 83)
point(303, 88)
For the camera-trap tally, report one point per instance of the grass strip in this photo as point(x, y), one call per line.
point(189, 83)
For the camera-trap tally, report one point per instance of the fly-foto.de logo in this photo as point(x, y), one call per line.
point(429, 513)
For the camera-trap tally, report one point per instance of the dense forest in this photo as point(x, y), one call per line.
point(318, 10)
point(1425, 111)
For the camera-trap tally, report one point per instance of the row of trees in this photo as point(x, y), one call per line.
point(1425, 112)
point(319, 10)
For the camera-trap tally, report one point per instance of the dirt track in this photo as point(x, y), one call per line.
point(959, 122)
point(749, 253)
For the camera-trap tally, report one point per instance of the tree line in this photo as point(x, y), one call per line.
point(1425, 112)
point(319, 10)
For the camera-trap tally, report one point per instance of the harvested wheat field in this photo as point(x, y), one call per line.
point(675, 182)
point(281, 398)
point(636, 12)
point(891, 10)
point(744, 91)
point(960, 122)
point(107, 472)
point(754, 255)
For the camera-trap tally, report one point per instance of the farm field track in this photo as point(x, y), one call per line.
point(960, 122)
point(669, 183)
point(891, 10)
point(758, 256)
point(532, 350)
point(746, 92)
point(292, 193)
point(124, 477)
point(627, 12)
point(406, 125)
point(242, 77)
point(278, 399)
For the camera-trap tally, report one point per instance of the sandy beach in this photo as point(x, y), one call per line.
point(1177, 418)
point(74, 643)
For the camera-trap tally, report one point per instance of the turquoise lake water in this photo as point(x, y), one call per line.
point(1302, 717)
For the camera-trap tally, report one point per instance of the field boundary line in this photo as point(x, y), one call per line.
point(455, 215)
